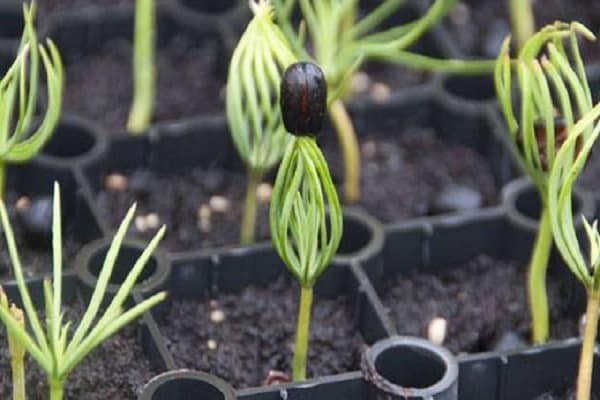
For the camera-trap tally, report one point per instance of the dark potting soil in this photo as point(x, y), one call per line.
point(392, 77)
point(563, 395)
point(115, 370)
point(52, 6)
point(481, 300)
point(35, 253)
point(178, 199)
point(257, 334)
point(589, 177)
point(404, 176)
point(479, 26)
point(100, 84)
point(401, 178)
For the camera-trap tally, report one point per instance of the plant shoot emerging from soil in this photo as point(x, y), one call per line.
point(568, 164)
point(16, 350)
point(252, 102)
point(521, 20)
point(18, 96)
point(55, 352)
point(303, 233)
point(341, 43)
point(144, 74)
point(549, 78)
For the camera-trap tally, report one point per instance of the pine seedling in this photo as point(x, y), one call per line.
point(144, 71)
point(16, 350)
point(18, 95)
point(52, 346)
point(568, 164)
point(253, 114)
point(304, 235)
point(552, 92)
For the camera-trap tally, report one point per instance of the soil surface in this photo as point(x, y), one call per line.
point(565, 395)
point(35, 254)
point(257, 334)
point(376, 82)
point(178, 200)
point(401, 178)
point(115, 370)
point(479, 26)
point(589, 177)
point(99, 86)
point(481, 300)
point(52, 6)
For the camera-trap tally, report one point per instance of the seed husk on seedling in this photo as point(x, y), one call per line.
point(304, 234)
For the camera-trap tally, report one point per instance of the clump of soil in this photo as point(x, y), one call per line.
point(481, 300)
point(35, 255)
point(116, 369)
point(401, 176)
point(187, 83)
point(257, 334)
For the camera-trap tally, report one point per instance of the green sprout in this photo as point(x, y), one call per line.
point(19, 85)
point(252, 103)
point(342, 43)
point(55, 352)
point(568, 164)
point(547, 83)
point(144, 74)
point(15, 349)
point(304, 235)
point(521, 20)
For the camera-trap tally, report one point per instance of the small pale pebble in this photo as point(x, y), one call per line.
point(217, 316)
point(204, 212)
point(115, 183)
point(23, 203)
point(360, 82)
point(263, 192)
point(380, 92)
point(152, 221)
point(203, 218)
point(369, 149)
point(140, 223)
point(212, 344)
point(436, 331)
point(219, 204)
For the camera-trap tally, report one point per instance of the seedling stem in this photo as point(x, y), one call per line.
point(302, 334)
